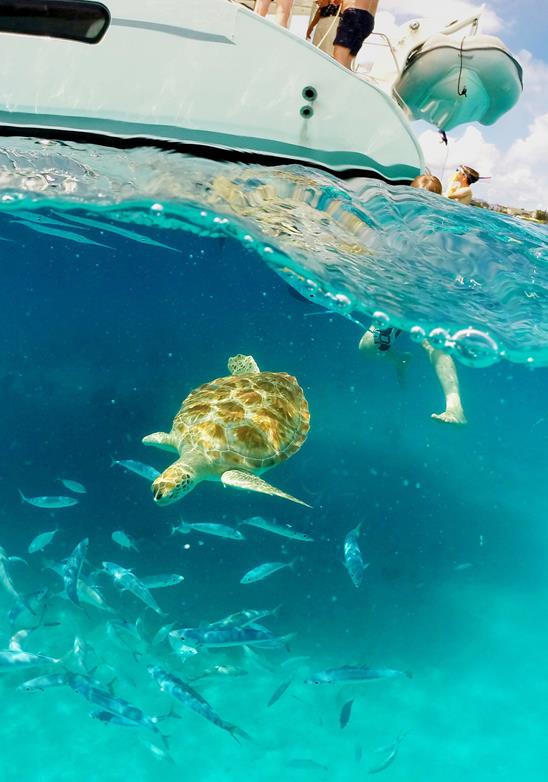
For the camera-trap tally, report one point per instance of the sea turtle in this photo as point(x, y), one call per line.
point(233, 429)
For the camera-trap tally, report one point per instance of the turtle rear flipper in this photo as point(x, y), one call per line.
point(242, 365)
point(160, 440)
point(245, 480)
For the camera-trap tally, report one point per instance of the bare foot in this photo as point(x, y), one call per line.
point(451, 417)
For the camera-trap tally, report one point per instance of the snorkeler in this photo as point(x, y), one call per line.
point(459, 187)
point(376, 343)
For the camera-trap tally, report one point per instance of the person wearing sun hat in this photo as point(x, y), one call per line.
point(459, 188)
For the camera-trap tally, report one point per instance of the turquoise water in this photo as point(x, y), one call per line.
point(128, 280)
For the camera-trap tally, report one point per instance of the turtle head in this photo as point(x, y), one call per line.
point(175, 481)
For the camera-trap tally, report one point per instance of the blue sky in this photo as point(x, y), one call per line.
point(514, 152)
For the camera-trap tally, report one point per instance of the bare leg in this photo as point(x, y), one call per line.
point(446, 371)
point(342, 55)
point(261, 7)
point(283, 12)
point(370, 350)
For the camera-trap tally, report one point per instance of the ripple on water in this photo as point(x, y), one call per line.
point(473, 282)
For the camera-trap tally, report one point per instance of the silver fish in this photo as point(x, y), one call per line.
point(144, 470)
point(209, 528)
point(41, 683)
point(346, 711)
point(125, 579)
point(353, 560)
point(354, 673)
point(72, 568)
point(87, 592)
point(85, 655)
point(93, 692)
point(162, 580)
point(124, 540)
point(5, 578)
point(183, 650)
point(265, 570)
point(74, 486)
point(211, 637)
point(278, 529)
point(49, 502)
point(15, 658)
point(246, 617)
point(185, 694)
point(162, 634)
point(391, 754)
point(278, 692)
point(33, 602)
point(42, 540)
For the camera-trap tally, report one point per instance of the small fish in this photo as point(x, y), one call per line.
point(353, 560)
point(246, 617)
point(189, 697)
point(278, 529)
point(42, 540)
point(163, 580)
point(125, 579)
point(77, 488)
point(51, 503)
point(85, 655)
point(5, 578)
point(162, 634)
point(123, 712)
point(124, 540)
point(346, 711)
point(182, 649)
point(278, 692)
point(41, 683)
point(392, 752)
point(265, 570)
point(220, 670)
point(354, 673)
point(15, 658)
point(72, 568)
point(33, 602)
point(463, 566)
point(208, 528)
point(144, 470)
point(212, 637)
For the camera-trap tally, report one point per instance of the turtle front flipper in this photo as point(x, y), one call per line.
point(173, 483)
point(245, 480)
point(160, 440)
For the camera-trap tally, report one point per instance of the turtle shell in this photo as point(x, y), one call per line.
point(251, 421)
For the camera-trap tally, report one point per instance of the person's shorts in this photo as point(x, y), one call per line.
point(355, 26)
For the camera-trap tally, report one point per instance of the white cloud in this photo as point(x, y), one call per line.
point(446, 10)
point(535, 79)
point(519, 176)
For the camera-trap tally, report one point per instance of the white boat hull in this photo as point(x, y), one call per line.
point(206, 73)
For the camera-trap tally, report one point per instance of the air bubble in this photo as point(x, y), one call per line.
point(475, 348)
point(157, 208)
point(438, 338)
point(380, 320)
point(417, 334)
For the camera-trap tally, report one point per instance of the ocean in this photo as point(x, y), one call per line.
point(129, 279)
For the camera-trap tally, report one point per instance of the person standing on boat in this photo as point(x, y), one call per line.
point(323, 23)
point(356, 24)
point(283, 10)
point(376, 343)
point(459, 188)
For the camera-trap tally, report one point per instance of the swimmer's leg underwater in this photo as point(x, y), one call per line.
point(373, 345)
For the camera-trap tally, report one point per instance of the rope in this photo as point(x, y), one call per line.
point(464, 92)
point(328, 31)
